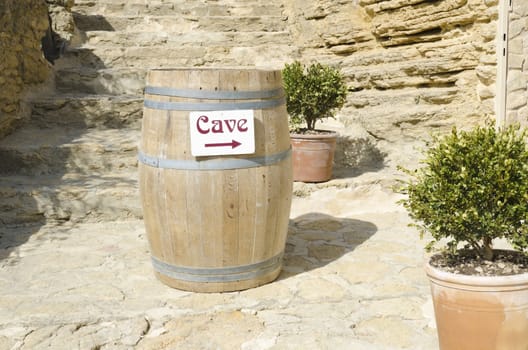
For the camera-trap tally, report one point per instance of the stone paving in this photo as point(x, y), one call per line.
point(352, 279)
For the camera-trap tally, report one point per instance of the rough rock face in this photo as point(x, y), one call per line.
point(412, 66)
point(517, 101)
point(23, 23)
point(61, 17)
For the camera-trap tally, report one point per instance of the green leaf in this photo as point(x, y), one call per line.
point(312, 93)
point(472, 188)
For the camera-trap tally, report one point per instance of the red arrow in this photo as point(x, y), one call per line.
point(233, 144)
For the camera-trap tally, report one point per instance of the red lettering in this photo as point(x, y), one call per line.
point(204, 126)
point(230, 123)
point(241, 125)
point(204, 119)
point(217, 126)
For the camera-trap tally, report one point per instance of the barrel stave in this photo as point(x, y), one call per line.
point(213, 218)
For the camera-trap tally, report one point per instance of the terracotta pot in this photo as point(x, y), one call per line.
point(313, 156)
point(480, 313)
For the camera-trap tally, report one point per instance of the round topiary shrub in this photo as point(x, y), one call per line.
point(472, 189)
point(312, 93)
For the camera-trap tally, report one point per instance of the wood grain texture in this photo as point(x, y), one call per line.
point(215, 219)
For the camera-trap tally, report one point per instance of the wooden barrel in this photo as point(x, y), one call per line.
point(215, 223)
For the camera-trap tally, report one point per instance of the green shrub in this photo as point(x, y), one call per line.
point(472, 189)
point(313, 93)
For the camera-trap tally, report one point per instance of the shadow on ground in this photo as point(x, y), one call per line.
point(355, 156)
point(316, 239)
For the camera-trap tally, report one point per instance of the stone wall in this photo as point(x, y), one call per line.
point(412, 66)
point(23, 23)
point(62, 22)
point(517, 86)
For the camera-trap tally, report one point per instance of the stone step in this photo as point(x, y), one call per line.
point(272, 56)
point(73, 197)
point(35, 151)
point(179, 7)
point(178, 23)
point(88, 111)
point(137, 58)
point(94, 39)
point(122, 81)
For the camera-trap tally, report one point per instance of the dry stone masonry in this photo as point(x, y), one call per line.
point(23, 23)
point(62, 23)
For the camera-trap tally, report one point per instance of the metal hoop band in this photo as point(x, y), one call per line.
point(220, 274)
point(214, 106)
point(214, 94)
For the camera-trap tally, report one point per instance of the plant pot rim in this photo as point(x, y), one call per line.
point(438, 275)
point(325, 134)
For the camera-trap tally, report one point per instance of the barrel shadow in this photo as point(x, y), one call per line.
point(316, 239)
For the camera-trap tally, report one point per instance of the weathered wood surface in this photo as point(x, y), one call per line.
point(217, 218)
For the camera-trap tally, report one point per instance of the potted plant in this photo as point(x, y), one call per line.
point(471, 191)
point(312, 93)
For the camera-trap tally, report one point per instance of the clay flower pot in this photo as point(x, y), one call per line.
point(480, 313)
point(313, 156)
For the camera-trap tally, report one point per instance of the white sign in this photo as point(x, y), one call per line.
point(216, 133)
